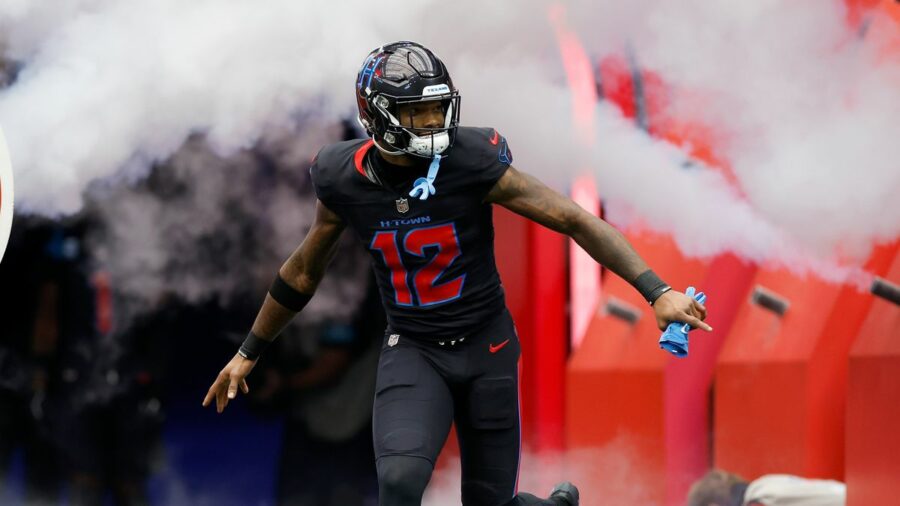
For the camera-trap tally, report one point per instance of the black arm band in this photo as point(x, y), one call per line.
point(253, 346)
point(288, 296)
point(650, 286)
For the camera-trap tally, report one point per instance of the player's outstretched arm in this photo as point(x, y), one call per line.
point(526, 195)
point(300, 274)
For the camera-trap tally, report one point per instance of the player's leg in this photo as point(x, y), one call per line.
point(490, 459)
point(487, 416)
point(488, 423)
point(411, 419)
point(402, 480)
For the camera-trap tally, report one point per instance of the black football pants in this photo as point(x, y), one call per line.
point(422, 387)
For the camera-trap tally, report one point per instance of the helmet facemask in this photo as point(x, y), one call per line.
point(416, 141)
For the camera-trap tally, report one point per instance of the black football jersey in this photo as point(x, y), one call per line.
point(434, 258)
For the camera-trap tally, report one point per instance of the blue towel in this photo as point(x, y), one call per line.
point(675, 338)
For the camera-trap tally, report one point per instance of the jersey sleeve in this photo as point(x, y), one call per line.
point(323, 181)
point(496, 157)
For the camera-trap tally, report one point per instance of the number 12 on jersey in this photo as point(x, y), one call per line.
point(442, 237)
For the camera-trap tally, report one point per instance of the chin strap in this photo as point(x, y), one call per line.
point(386, 151)
point(424, 186)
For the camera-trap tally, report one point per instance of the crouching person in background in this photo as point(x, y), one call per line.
point(721, 488)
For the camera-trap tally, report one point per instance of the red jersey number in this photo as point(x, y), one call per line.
point(424, 280)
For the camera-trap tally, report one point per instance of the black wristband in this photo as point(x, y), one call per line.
point(650, 286)
point(288, 296)
point(253, 346)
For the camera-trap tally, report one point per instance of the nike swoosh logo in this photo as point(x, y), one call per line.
point(495, 138)
point(496, 347)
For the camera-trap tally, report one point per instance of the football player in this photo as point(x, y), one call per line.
point(418, 193)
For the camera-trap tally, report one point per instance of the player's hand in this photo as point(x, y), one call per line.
point(230, 378)
point(674, 306)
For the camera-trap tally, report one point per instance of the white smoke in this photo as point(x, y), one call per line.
point(185, 233)
point(804, 106)
point(603, 475)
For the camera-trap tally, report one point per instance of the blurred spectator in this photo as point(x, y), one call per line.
point(721, 488)
point(325, 374)
point(323, 371)
point(107, 408)
point(28, 340)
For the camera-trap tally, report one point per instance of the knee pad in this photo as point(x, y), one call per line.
point(402, 480)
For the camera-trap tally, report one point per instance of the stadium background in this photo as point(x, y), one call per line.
point(110, 272)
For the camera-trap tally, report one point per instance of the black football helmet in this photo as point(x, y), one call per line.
point(401, 73)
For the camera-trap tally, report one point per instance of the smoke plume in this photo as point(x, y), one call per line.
point(802, 104)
